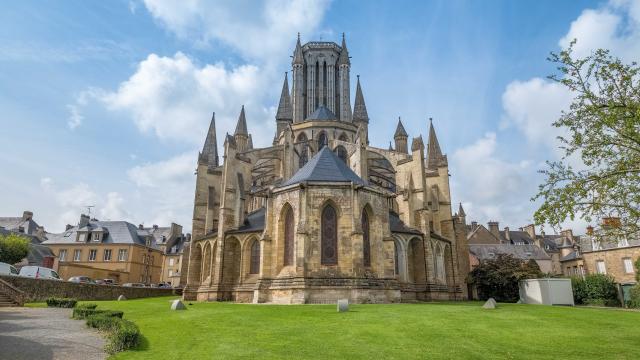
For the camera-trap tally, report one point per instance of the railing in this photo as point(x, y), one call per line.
point(16, 295)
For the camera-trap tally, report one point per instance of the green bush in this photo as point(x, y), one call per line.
point(498, 278)
point(121, 334)
point(87, 306)
point(595, 289)
point(80, 313)
point(61, 302)
point(634, 302)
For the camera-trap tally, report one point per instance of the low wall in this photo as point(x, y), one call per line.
point(40, 289)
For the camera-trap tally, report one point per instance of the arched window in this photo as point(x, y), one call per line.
point(342, 153)
point(343, 137)
point(329, 236)
point(440, 270)
point(395, 258)
point(254, 267)
point(366, 244)
point(303, 145)
point(288, 237)
point(322, 140)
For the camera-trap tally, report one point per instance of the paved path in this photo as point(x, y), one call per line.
point(44, 333)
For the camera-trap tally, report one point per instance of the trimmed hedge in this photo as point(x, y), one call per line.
point(87, 306)
point(634, 302)
point(595, 289)
point(80, 313)
point(121, 334)
point(61, 302)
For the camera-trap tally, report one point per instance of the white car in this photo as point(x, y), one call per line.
point(8, 269)
point(39, 272)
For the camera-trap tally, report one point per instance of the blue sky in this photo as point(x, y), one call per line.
point(107, 103)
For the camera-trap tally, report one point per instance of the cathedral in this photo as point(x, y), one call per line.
point(321, 214)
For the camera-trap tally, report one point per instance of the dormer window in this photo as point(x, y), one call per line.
point(82, 236)
point(623, 242)
point(97, 236)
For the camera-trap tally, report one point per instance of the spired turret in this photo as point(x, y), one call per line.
point(435, 159)
point(241, 136)
point(400, 138)
point(209, 154)
point(284, 116)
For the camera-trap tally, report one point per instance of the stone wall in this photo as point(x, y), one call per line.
point(40, 289)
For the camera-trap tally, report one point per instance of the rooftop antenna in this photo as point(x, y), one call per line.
point(89, 209)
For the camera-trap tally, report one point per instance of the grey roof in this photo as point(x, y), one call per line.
point(285, 111)
point(398, 226)
point(571, 256)
point(241, 126)
point(359, 107)
point(210, 149)
point(517, 237)
point(14, 223)
point(117, 232)
point(400, 131)
point(523, 252)
point(322, 113)
point(435, 158)
point(253, 222)
point(325, 166)
point(605, 241)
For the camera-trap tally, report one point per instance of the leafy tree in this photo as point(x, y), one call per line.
point(603, 130)
point(638, 269)
point(13, 248)
point(498, 278)
point(595, 289)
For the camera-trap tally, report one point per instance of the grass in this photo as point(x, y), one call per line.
point(394, 331)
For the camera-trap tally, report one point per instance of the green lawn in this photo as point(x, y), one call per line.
point(395, 331)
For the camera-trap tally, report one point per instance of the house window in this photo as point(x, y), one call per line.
point(628, 266)
point(600, 267)
point(82, 237)
point(92, 254)
point(76, 255)
point(595, 244)
point(171, 262)
point(107, 255)
point(62, 256)
point(123, 255)
point(366, 245)
point(329, 236)
point(97, 236)
point(254, 267)
point(288, 237)
point(170, 272)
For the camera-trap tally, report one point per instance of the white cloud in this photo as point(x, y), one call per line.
point(75, 117)
point(257, 30)
point(113, 208)
point(614, 26)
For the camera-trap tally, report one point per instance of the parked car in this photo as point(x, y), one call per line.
point(8, 269)
point(133, 285)
point(39, 272)
point(81, 280)
point(164, 286)
point(106, 282)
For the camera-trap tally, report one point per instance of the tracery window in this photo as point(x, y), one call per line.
point(288, 237)
point(366, 244)
point(395, 258)
point(322, 140)
point(254, 267)
point(342, 153)
point(329, 236)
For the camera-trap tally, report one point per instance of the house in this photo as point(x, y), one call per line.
point(115, 250)
point(24, 225)
point(171, 241)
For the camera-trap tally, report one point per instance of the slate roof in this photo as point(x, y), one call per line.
point(571, 256)
point(322, 113)
point(14, 223)
point(399, 226)
point(523, 252)
point(325, 166)
point(517, 237)
point(117, 232)
point(253, 222)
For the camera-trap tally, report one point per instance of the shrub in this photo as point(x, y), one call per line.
point(61, 302)
point(103, 322)
point(595, 289)
point(634, 302)
point(498, 278)
point(87, 306)
point(13, 248)
point(121, 334)
point(80, 313)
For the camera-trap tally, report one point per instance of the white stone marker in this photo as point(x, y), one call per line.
point(490, 304)
point(343, 305)
point(178, 305)
point(121, 298)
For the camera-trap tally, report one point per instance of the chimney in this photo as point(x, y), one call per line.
point(155, 227)
point(27, 215)
point(40, 232)
point(474, 225)
point(84, 221)
point(493, 228)
point(568, 234)
point(188, 237)
point(140, 227)
point(507, 235)
point(531, 230)
point(68, 227)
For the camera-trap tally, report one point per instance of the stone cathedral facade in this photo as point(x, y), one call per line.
point(321, 214)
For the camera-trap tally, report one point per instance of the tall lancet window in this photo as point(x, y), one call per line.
point(366, 244)
point(322, 140)
point(303, 145)
point(329, 236)
point(342, 153)
point(288, 237)
point(254, 266)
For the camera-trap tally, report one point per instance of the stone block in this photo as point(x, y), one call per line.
point(490, 304)
point(178, 305)
point(343, 305)
point(121, 298)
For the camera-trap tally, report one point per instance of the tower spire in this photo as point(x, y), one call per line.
point(359, 107)
point(209, 153)
point(297, 54)
point(344, 54)
point(461, 211)
point(241, 126)
point(435, 158)
point(285, 112)
point(400, 131)
point(400, 137)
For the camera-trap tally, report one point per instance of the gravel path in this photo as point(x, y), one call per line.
point(46, 333)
